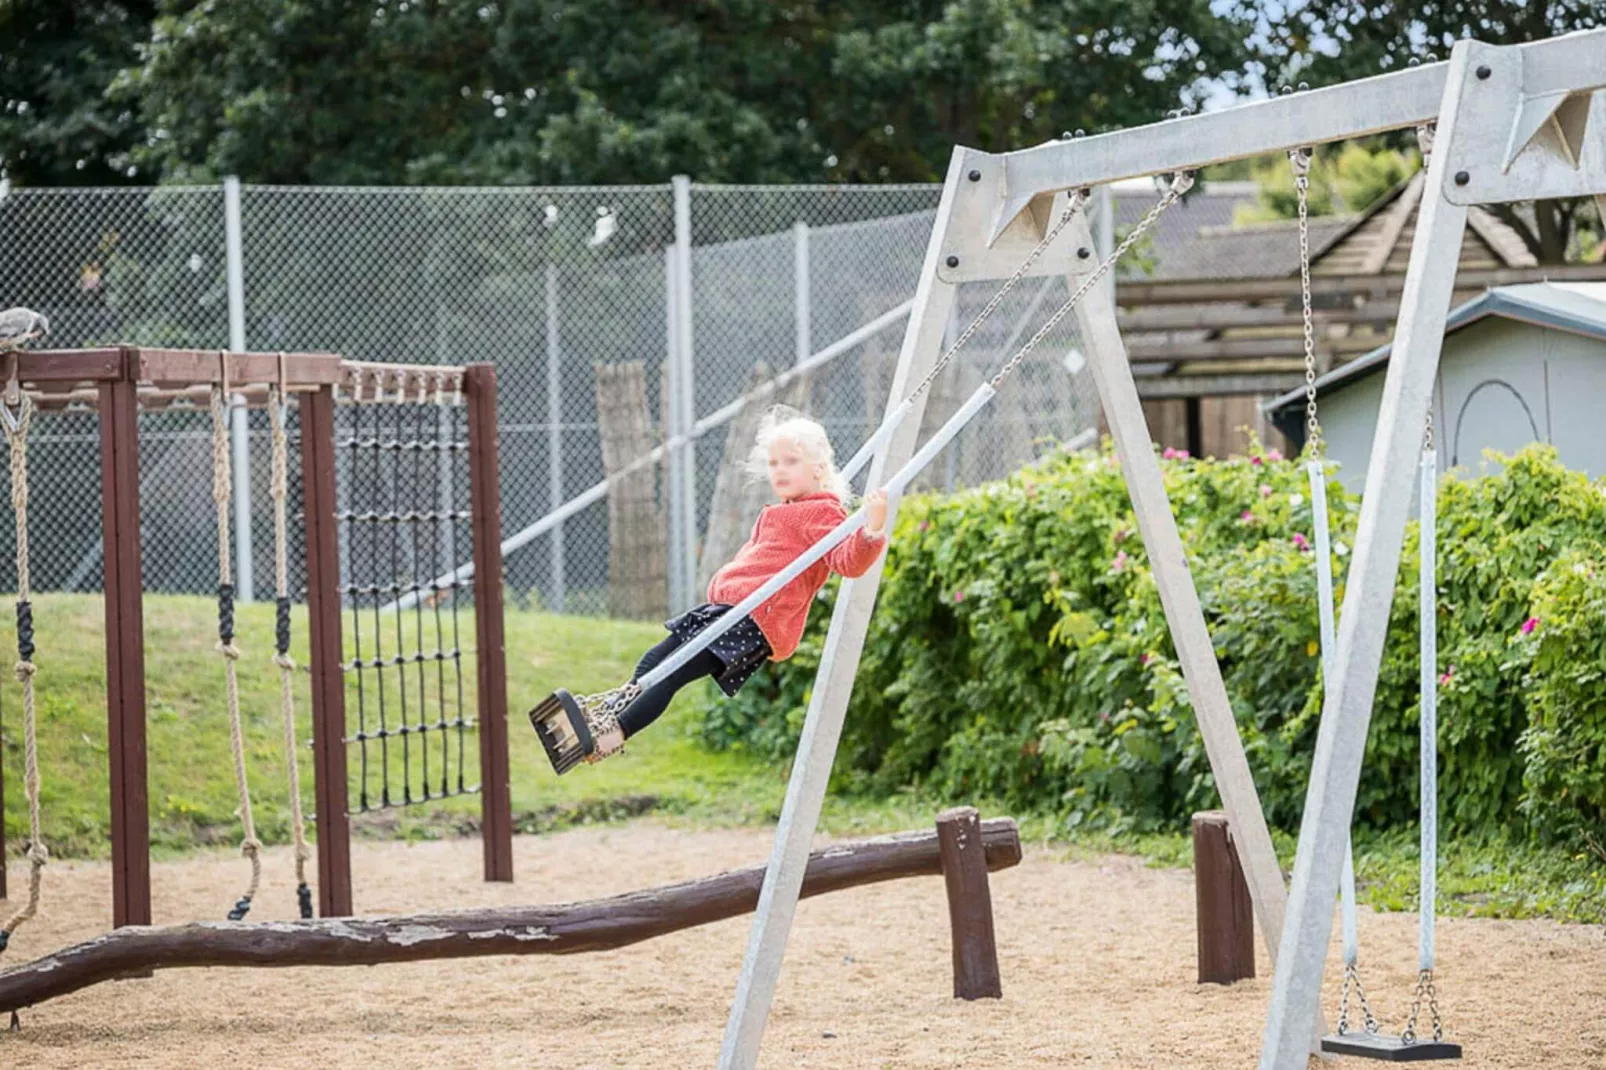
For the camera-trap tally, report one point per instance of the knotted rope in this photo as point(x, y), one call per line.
point(38, 855)
point(250, 846)
point(278, 487)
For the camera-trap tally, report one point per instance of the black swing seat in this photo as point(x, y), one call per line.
point(1389, 1048)
point(561, 726)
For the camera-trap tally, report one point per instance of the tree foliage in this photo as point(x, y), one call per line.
point(613, 91)
point(56, 125)
point(1324, 42)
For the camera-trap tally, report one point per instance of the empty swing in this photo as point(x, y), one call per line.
point(1369, 1042)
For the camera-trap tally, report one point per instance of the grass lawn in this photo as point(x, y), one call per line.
point(666, 771)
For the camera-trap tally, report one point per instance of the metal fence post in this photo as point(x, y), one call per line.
point(554, 424)
point(800, 282)
point(671, 420)
point(239, 418)
point(683, 397)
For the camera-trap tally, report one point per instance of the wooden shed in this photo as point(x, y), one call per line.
point(1520, 364)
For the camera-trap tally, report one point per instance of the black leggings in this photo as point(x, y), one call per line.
point(655, 700)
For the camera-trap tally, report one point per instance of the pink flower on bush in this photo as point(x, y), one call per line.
point(1265, 490)
point(1274, 455)
point(1246, 517)
point(1119, 564)
point(1255, 461)
point(959, 596)
point(1529, 625)
point(1301, 542)
point(1448, 675)
point(925, 524)
point(1144, 660)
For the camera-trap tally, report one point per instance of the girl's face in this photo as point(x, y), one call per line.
point(792, 474)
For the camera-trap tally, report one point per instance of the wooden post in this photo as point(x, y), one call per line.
point(970, 904)
point(325, 652)
point(125, 646)
point(1226, 921)
point(485, 508)
point(638, 549)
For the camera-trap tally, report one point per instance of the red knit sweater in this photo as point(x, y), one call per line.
point(782, 533)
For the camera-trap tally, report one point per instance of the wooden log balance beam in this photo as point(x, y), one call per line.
point(563, 929)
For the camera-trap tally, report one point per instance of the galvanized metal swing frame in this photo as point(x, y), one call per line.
point(1514, 123)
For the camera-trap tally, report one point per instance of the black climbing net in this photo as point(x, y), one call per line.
point(404, 517)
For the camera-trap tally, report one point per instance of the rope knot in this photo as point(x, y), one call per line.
point(38, 853)
point(251, 847)
point(229, 650)
point(285, 661)
point(25, 671)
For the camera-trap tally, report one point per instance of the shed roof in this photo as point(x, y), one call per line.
point(1575, 307)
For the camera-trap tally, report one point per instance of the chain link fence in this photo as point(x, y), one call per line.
point(578, 296)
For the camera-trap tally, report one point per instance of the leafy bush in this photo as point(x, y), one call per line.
point(1020, 650)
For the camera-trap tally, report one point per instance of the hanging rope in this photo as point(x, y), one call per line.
point(278, 489)
point(17, 437)
point(250, 846)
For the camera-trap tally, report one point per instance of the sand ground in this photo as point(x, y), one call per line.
point(1098, 962)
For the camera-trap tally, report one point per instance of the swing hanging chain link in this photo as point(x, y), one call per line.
point(1301, 160)
point(1424, 991)
point(1073, 202)
point(1180, 184)
point(16, 432)
point(1352, 980)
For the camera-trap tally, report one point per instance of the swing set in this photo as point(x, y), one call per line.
point(1513, 123)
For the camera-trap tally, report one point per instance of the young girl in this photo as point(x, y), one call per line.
point(795, 454)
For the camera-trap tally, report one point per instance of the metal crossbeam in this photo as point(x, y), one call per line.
point(1395, 101)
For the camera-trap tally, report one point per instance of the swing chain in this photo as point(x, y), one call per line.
point(1181, 182)
point(1424, 990)
point(1301, 160)
point(1352, 979)
point(1073, 201)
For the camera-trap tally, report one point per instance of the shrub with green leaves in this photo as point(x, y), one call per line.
point(1020, 651)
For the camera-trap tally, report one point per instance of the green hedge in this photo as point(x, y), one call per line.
point(1019, 650)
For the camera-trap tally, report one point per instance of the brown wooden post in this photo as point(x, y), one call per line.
point(970, 904)
point(326, 656)
point(125, 646)
point(1226, 920)
point(485, 508)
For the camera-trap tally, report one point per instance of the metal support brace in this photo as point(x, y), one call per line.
point(1123, 411)
point(839, 662)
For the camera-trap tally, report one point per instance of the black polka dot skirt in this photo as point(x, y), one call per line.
point(741, 650)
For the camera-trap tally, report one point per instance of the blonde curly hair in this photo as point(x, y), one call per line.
point(782, 423)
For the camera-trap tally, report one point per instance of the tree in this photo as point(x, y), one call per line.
point(619, 91)
point(56, 125)
point(1327, 41)
point(1343, 178)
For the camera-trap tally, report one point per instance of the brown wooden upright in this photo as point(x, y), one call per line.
point(1226, 918)
point(125, 645)
point(485, 508)
point(326, 656)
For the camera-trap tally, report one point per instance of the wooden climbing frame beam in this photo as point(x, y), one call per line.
point(324, 645)
point(485, 509)
point(594, 925)
point(125, 651)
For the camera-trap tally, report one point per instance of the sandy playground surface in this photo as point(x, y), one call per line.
point(1097, 959)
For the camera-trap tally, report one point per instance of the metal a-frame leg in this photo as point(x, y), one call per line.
point(1363, 620)
point(1123, 411)
point(839, 662)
